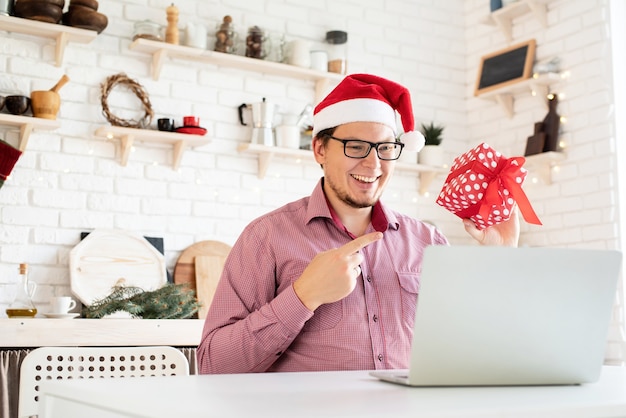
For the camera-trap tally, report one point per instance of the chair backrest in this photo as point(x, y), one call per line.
point(48, 363)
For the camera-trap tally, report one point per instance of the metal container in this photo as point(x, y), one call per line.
point(6, 7)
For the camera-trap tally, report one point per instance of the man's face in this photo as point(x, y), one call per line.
point(357, 183)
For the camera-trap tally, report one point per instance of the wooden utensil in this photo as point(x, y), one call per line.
point(60, 83)
point(208, 271)
point(185, 269)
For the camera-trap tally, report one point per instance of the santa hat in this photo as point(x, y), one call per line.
point(369, 98)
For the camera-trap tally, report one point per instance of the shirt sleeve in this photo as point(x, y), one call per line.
point(248, 325)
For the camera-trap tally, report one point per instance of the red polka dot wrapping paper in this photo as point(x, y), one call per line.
point(484, 186)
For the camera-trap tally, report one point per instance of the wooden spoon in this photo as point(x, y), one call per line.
point(60, 83)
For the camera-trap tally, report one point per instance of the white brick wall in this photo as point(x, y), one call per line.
point(68, 181)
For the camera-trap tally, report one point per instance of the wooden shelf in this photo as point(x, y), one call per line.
point(60, 33)
point(503, 17)
point(161, 50)
point(538, 85)
point(39, 332)
point(267, 153)
point(27, 124)
point(542, 164)
point(127, 137)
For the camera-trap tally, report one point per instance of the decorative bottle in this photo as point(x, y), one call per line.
point(22, 306)
point(551, 125)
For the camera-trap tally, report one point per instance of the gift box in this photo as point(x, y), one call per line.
point(484, 186)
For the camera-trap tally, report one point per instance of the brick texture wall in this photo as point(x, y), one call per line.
point(69, 180)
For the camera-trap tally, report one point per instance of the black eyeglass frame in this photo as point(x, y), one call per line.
point(371, 145)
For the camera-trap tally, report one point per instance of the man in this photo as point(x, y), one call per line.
point(331, 281)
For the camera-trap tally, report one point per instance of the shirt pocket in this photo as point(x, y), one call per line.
point(410, 286)
point(326, 317)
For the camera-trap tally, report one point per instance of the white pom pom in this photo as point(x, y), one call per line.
point(413, 141)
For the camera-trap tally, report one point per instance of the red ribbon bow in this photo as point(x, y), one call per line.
point(504, 175)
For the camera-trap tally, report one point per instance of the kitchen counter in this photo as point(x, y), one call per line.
point(39, 332)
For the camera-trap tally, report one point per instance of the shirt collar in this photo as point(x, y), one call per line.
point(320, 207)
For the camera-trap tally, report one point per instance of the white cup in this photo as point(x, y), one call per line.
point(319, 60)
point(62, 304)
point(299, 53)
point(288, 136)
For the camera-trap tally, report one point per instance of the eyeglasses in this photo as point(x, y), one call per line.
point(357, 148)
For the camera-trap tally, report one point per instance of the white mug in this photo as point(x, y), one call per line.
point(196, 35)
point(319, 60)
point(299, 53)
point(62, 304)
point(288, 136)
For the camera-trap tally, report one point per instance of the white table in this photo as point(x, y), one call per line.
point(322, 394)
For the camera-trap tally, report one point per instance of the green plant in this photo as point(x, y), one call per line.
point(432, 134)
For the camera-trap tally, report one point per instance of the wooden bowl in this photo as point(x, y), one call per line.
point(17, 104)
point(91, 4)
point(45, 104)
point(60, 3)
point(85, 18)
point(38, 10)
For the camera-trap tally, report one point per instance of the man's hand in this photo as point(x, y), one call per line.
point(505, 233)
point(332, 274)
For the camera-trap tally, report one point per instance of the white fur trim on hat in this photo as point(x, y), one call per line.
point(413, 141)
point(355, 110)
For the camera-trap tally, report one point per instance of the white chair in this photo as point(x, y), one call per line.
point(47, 363)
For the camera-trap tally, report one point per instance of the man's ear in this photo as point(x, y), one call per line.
point(319, 150)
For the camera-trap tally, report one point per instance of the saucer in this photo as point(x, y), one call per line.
point(61, 315)
point(194, 130)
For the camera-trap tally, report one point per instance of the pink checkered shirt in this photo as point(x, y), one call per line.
point(256, 323)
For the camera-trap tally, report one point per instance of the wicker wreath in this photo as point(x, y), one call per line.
point(123, 79)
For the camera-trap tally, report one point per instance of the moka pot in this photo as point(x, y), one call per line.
point(262, 121)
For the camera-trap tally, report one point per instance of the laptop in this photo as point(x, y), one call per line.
point(490, 316)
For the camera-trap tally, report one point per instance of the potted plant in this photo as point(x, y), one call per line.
point(432, 153)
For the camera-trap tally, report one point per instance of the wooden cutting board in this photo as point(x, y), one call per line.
point(109, 257)
point(208, 271)
point(185, 268)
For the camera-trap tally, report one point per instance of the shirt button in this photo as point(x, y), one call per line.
point(369, 279)
point(375, 318)
point(380, 357)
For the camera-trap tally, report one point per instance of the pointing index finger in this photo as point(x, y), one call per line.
point(361, 242)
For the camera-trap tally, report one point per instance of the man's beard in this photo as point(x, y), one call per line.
point(347, 199)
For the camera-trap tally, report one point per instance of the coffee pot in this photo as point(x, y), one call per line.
point(262, 121)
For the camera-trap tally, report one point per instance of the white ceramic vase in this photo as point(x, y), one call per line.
point(431, 155)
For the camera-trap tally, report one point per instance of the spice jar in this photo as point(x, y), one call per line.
point(337, 51)
point(225, 36)
point(147, 29)
point(257, 44)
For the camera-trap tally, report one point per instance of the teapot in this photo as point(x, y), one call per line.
point(196, 35)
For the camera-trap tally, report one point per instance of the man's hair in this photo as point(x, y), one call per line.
point(324, 136)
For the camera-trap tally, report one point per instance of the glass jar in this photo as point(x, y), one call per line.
point(337, 51)
point(22, 305)
point(147, 29)
point(257, 43)
point(225, 36)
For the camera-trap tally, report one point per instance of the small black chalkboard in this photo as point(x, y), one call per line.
point(504, 67)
